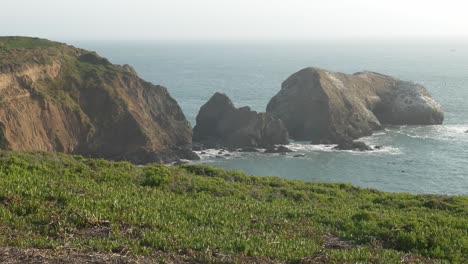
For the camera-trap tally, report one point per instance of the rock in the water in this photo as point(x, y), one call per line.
point(271, 149)
point(197, 147)
point(299, 156)
point(219, 122)
point(180, 162)
point(248, 149)
point(324, 106)
point(59, 98)
point(353, 145)
point(280, 149)
point(283, 149)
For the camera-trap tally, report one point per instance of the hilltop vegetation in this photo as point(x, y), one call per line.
point(8, 43)
point(197, 213)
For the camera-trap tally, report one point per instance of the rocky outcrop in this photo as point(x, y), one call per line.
point(330, 107)
point(220, 123)
point(279, 149)
point(353, 145)
point(54, 97)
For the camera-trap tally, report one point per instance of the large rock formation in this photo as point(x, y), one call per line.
point(330, 107)
point(220, 123)
point(54, 97)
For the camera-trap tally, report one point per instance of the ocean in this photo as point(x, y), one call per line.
point(429, 160)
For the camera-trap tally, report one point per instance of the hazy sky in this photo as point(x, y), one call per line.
point(233, 19)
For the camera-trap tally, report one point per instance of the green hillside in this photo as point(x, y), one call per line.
point(196, 213)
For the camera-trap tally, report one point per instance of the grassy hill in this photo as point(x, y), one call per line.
point(56, 202)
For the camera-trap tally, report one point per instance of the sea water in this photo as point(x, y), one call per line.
point(415, 159)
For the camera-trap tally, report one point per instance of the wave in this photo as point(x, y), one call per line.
point(303, 148)
point(297, 148)
point(219, 154)
point(386, 138)
point(438, 133)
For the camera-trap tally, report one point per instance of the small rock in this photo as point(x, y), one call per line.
point(299, 156)
point(280, 149)
point(197, 147)
point(203, 152)
point(219, 157)
point(227, 155)
point(248, 149)
point(270, 150)
point(378, 147)
point(119, 249)
point(179, 162)
point(353, 145)
point(283, 149)
point(220, 152)
point(322, 141)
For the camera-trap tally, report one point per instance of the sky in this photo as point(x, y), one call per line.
point(233, 19)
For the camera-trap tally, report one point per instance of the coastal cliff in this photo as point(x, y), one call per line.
point(55, 97)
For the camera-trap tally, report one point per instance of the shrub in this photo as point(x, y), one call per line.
point(156, 175)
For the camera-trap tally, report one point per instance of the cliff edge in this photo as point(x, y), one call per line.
point(55, 97)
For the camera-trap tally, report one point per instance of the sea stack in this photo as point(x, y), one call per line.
point(55, 97)
point(329, 107)
point(220, 123)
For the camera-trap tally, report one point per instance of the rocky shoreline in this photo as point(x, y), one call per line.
point(321, 107)
point(59, 98)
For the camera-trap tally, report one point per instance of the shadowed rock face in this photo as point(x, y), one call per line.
point(55, 97)
point(220, 123)
point(330, 107)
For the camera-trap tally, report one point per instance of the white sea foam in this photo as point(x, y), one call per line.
point(219, 154)
point(302, 147)
point(439, 133)
point(372, 141)
point(211, 155)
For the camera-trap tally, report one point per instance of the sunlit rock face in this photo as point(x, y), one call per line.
point(56, 97)
point(330, 107)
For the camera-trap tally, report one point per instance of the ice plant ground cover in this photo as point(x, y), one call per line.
point(93, 207)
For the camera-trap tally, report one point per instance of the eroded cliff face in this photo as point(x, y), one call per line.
point(55, 97)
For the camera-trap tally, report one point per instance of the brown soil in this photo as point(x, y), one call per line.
point(29, 256)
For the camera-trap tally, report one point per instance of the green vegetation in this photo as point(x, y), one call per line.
point(8, 43)
point(50, 200)
point(15, 51)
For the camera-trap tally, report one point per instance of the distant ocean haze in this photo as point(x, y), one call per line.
point(431, 159)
